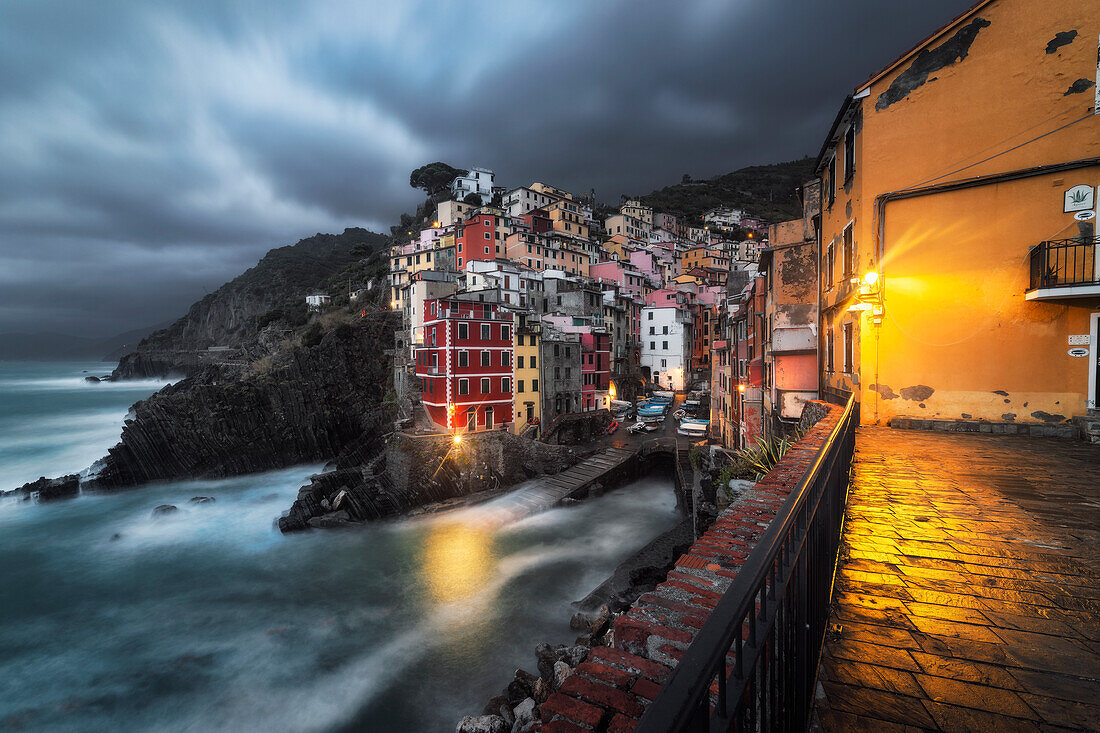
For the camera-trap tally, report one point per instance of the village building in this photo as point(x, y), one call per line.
point(956, 282)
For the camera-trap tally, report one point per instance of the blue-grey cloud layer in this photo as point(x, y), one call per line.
point(151, 150)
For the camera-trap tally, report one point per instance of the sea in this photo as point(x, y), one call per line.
point(209, 619)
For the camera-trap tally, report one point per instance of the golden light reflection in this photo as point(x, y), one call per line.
point(457, 561)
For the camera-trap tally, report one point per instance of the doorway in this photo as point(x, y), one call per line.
point(1092, 401)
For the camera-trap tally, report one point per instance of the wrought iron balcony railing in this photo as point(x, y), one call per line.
point(1064, 263)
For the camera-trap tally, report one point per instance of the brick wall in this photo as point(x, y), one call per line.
point(610, 689)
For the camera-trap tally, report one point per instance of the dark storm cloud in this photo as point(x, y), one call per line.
point(152, 150)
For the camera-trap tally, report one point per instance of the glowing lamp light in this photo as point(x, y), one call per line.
point(741, 388)
point(457, 438)
point(870, 278)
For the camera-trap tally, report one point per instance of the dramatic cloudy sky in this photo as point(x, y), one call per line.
point(151, 150)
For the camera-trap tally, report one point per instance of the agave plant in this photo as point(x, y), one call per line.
point(763, 457)
point(1078, 197)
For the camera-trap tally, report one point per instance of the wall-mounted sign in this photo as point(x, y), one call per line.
point(1079, 339)
point(1078, 351)
point(1080, 198)
point(1084, 215)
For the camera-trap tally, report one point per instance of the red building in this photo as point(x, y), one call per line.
point(749, 364)
point(595, 368)
point(465, 363)
point(481, 237)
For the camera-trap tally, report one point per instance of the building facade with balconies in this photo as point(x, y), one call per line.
point(465, 362)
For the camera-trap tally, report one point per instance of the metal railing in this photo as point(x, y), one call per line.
point(753, 664)
point(1064, 262)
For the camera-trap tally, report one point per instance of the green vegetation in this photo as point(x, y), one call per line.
point(434, 178)
point(763, 457)
point(765, 191)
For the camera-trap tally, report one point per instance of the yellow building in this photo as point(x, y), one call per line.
point(409, 259)
point(956, 283)
point(525, 374)
point(639, 211)
point(704, 257)
point(567, 218)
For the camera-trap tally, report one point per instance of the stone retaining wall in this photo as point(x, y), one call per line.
point(1033, 429)
point(611, 688)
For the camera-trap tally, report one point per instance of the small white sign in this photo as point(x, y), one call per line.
point(1079, 339)
point(1084, 215)
point(1078, 351)
point(1080, 198)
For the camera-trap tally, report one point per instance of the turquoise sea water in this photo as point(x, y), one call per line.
point(209, 619)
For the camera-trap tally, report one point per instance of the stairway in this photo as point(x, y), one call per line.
point(1088, 425)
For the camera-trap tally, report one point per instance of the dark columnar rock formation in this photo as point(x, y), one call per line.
point(305, 405)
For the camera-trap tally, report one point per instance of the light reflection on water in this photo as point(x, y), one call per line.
point(211, 620)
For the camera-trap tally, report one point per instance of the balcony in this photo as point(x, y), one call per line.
point(1064, 268)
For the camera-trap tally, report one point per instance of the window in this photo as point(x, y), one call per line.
point(568, 352)
point(464, 386)
point(505, 358)
point(506, 385)
point(534, 385)
point(486, 250)
point(463, 331)
point(652, 330)
point(464, 358)
point(557, 372)
point(848, 366)
point(569, 372)
point(519, 362)
point(534, 362)
point(651, 315)
point(849, 252)
point(830, 185)
point(506, 333)
point(664, 363)
point(664, 330)
point(849, 153)
point(485, 388)
point(519, 385)
point(652, 345)
point(485, 332)
point(485, 357)
point(488, 236)
point(829, 350)
point(664, 346)
point(827, 265)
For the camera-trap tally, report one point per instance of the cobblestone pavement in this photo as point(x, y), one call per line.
point(968, 592)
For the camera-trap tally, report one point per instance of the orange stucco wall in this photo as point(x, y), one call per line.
point(956, 328)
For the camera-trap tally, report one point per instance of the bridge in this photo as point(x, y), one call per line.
point(966, 596)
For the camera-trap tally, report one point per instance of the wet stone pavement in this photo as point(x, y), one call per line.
point(967, 595)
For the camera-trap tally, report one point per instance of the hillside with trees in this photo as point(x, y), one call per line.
point(765, 191)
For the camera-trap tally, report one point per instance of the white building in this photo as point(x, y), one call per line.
point(514, 281)
point(476, 180)
point(666, 345)
point(523, 200)
point(724, 216)
point(315, 302)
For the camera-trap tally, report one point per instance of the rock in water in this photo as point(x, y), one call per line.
point(202, 500)
point(48, 489)
point(561, 673)
point(482, 724)
point(164, 510)
point(525, 714)
point(91, 379)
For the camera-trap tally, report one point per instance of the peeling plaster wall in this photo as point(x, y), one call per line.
point(956, 265)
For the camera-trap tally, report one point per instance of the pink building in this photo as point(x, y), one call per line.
point(629, 279)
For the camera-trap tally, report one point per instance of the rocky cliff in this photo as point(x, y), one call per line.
point(269, 295)
point(374, 478)
point(305, 405)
